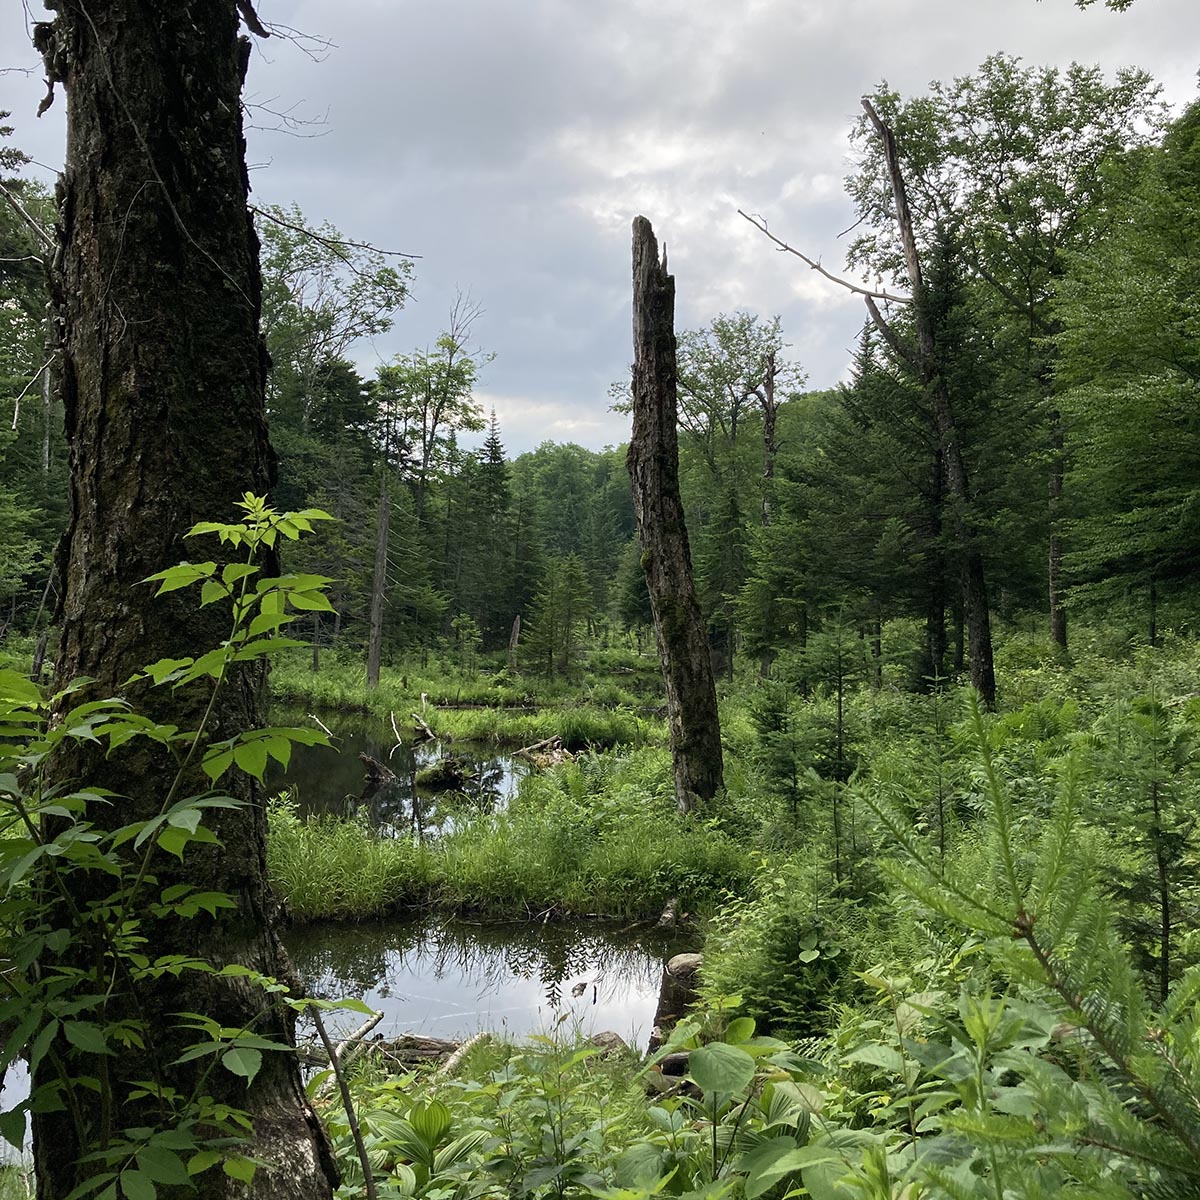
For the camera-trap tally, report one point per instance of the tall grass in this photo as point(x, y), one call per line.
point(599, 836)
point(497, 709)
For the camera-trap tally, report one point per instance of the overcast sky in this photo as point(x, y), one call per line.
point(511, 142)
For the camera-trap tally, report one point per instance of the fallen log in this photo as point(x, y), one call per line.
point(550, 743)
point(424, 733)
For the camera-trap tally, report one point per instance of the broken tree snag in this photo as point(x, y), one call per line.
point(937, 391)
point(653, 463)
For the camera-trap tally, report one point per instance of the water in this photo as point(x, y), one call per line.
point(451, 979)
point(333, 781)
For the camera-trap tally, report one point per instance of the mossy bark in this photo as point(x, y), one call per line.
point(653, 463)
point(157, 294)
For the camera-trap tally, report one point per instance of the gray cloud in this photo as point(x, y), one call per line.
point(510, 142)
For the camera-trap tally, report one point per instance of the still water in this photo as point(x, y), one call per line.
point(451, 979)
point(333, 781)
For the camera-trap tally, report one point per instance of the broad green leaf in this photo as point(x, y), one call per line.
point(243, 1061)
point(212, 591)
point(202, 1160)
point(740, 1030)
point(236, 571)
point(240, 1168)
point(774, 1161)
point(251, 757)
point(12, 1127)
point(15, 687)
point(163, 1166)
point(137, 1185)
point(310, 601)
point(86, 1036)
point(720, 1068)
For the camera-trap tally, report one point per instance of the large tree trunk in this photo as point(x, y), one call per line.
point(653, 463)
point(157, 291)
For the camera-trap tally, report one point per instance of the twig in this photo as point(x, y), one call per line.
point(25, 390)
point(39, 232)
point(349, 1048)
point(328, 732)
point(426, 734)
point(395, 734)
point(347, 1103)
point(857, 289)
point(334, 244)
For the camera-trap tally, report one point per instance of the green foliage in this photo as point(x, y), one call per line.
point(69, 880)
point(599, 835)
point(779, 949)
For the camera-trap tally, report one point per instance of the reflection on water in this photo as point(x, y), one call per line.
point(451, 979)
point(333, 781)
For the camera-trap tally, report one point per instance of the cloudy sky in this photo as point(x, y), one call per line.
point(511, 142)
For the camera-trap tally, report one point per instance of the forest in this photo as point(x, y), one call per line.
point(914, 772)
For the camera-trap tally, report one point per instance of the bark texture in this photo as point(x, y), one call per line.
point(157, 295)
point(653, 463)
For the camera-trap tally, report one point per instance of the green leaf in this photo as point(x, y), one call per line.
point(16, 688)
point(212, 591)
point(216, 762)
point(720, 1068)
point(235, 571)
point(244, 1062)
point(240, 1168)
point(310, 601)
point(768, 1164)
point(251, 757)
point(86, 1036)
point(740, 1030)
point(12, 1127)
point(137, 1185)
point(180, 576)
point(202, 1160)
point(163, 1166)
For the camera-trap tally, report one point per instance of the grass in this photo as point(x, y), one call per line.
point(597, 837)
point(480, 708)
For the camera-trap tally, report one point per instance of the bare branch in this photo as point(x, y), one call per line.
point(25, 391)
point(814, 265)
point(250, 18)
point(42, 234)
point(337, 245)
point(893, 339)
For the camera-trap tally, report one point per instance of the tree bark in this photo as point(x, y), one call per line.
point(157, 294)
point(653, 463)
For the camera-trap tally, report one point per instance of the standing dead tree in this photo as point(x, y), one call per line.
point(924, 360)
point(653, 463)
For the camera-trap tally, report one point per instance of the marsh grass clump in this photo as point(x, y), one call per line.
point(596, 836)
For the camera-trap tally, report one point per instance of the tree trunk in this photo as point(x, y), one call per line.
point(770, 411)
point(157, 293)
point(1058, 612)
point(653, 463)
point(979, 630)
point(378, 583)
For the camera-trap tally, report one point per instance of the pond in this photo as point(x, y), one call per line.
point(334, 782)
point(451, 978)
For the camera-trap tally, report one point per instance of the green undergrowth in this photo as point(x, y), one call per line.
point(596, 836)
point(497, 708)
